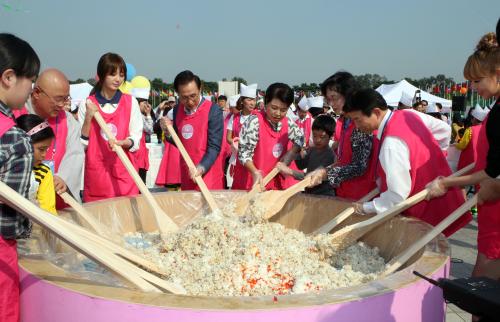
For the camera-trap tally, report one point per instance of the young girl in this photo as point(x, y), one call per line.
point(42, 190)
point(265, 136)
point(105, 175)
point(19, 66)
point(483, 70)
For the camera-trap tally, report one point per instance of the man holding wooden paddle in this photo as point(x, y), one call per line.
point(409, 157)
point(200, 125)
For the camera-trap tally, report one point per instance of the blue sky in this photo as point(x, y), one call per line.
point(261, 41)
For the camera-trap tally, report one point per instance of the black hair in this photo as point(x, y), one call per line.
point(315, 111)
point(426, 102)
point(342, 82)
point(18, 55)
point(222, 97)
point(439, 106)
point(184, 78)
point(108, 64)
point(365, 100)
point(325, 123)
point(417, 104)
point(28, 121)
point(280, 91)
point(498, 31)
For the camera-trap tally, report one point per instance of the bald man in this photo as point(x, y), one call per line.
point(66, 155)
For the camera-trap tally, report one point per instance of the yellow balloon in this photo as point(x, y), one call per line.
point(125, 87)
point(140, 82)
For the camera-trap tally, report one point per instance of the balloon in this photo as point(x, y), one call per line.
point(125, 87)
point(130, 71)
point(140, 82)
point(463, 90)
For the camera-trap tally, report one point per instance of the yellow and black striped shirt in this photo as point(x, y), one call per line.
point(46, 194)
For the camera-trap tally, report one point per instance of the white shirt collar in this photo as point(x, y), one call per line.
point(383, 123)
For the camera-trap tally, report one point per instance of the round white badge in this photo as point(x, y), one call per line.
point(113, 130)
point(277, 150)
point(187, 131)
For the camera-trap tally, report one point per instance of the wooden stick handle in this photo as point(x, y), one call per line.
point(53, 224)
point(83, 213)
point(402, 258)
point(199, 180)
point(398, 208)
point(165, 224)
point(326, 228)
point(256, 188)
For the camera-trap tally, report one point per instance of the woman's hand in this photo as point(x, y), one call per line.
point(317, 177)
point(257, 180)
point(284, 169)
point(437, 188)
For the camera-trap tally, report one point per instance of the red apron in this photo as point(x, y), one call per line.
point(142, 155)
point(105, 175)
point(9, 273)
point(469, 154)
point(169, 172)
point(356, 187)
point(488, 214)
point(57, 149)
point(427, 162)
point(9, 281)
point(193, 130)
point(268, 151)
point(19, 112)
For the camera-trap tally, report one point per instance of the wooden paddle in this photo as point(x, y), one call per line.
point(402, 258)
point(274, 200)
point(114, 248)
point(199, 180)
point(84, 214)
point(138, 277)
point(242, 203)
point(347, 236)
point(326, 228)
point(165, 224)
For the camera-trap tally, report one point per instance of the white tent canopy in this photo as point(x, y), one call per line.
point(78, 93)
point(392, 94)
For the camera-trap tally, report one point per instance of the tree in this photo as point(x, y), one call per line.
point(158, 84)
point(239, 80)
point(78, 81)
point(92, 81)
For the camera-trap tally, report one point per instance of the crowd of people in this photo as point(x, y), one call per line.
point(347, 140)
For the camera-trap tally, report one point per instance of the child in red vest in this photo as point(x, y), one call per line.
point(19, 66)
point(483, 70)
point(318, 155)
point(105, 175)
point(265, 136)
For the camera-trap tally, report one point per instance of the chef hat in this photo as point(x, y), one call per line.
point(316, 101)
point(233, 100)
point(480, 113)
point(406, 99)
point(248, 91)
point(303, 104)
point(432, 108)
point(208, 97)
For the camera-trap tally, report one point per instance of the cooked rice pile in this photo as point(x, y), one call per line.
point(229, 256)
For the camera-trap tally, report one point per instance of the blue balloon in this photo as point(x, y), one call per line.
point(130, 71)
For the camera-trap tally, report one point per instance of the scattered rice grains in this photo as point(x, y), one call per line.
point(226, 255)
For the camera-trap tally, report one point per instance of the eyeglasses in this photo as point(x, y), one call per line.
point(59, 100)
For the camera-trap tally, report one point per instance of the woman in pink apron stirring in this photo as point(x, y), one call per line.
point(105, 175)
point(265, 136)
